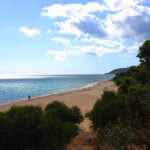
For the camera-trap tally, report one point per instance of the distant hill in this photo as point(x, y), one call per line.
point(119, 70)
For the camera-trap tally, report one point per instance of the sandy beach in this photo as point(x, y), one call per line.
point(83, 98)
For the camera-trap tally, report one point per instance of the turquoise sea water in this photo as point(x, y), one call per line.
point(14, 88)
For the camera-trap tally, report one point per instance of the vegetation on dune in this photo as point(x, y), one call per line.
point(105, 110)
point(60, 110)
point(123, 118)
point(31, 128)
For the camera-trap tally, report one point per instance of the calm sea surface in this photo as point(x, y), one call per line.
point(14, 88)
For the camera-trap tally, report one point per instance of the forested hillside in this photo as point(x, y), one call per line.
point(119, 70)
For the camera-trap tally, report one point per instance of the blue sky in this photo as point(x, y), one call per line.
point(55, 37)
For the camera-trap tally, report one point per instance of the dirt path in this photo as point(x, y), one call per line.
point(84, 141)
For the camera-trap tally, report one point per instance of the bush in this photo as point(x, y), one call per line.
point(61, 111)
point(139, 109)
point(125, 84)
point(118, 136)
point(57, 134)
point(118, 81)
point(4, 126)
point(29, 127)
point(132, 102)
point(60, 125)
point(77, 114)
point(105, 110)
point(21, 128)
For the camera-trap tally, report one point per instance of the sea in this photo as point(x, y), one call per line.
point(19, 87)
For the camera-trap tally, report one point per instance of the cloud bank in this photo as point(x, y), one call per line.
point(102, 28)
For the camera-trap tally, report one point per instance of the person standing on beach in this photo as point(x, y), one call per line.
point(29, 97)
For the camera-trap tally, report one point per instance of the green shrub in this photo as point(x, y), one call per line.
point(21, 127)
point(60, 125)
point(77, 114)
point(4, 126)
point(125, 84)
point(132, 101)
point(118, 136)
point(57, 133)
point(31, 128)
point(118, 81)
point(105, 110)
point(60, 110)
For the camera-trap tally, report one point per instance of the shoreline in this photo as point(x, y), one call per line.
point(84, 98)
point(87, 86)
point(56, 95)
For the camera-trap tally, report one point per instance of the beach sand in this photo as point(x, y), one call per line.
point(84, 98)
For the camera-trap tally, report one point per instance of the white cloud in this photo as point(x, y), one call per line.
point(85, 19)
point(133, 48)
point(67, 27)
point(122, 48)
point(59, 56)
point(72, 10)
point(30, 32)
point(95, 48)
point(130, 49)
point(131, 21)
point(63, 40)
point(109, 43)
point(97, 34)
point(117, 5)
point(77, 17)
point(89, 25)
point(89, 50)
point(92, 26)
point(48, 31)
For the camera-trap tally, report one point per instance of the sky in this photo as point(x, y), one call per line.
point(71, 37)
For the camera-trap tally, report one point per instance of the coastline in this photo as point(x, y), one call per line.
point(14, 89)
point(88, 85)
point(34, 100)
point(84, 98)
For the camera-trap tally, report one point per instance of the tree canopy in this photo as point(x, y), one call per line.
point(144, 54)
